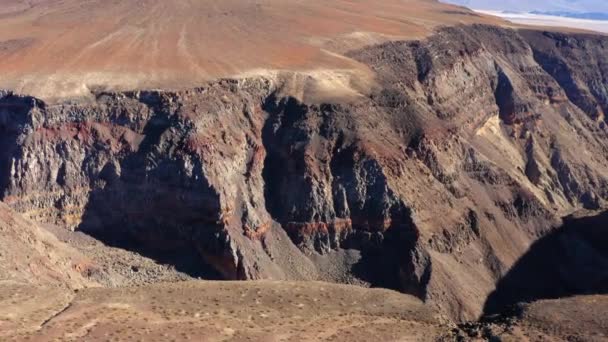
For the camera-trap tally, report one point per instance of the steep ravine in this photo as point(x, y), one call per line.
point(474, 144)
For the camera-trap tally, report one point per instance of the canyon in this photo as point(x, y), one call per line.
point(464, 166)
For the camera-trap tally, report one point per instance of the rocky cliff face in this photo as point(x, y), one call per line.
point(472, 145)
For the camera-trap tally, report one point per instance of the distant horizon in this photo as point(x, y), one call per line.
point(587, 9)
point(550, 20)
point(595, 16)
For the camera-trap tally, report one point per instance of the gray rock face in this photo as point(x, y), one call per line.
point(474, 144)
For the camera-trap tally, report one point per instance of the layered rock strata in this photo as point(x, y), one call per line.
point(472, 145)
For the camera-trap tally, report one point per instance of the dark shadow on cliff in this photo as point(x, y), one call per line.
point(13, 118)
point(391, 262)
point(572, 260)
point(145, 204)
point(359, 218)
point(109, 211)
point(283, 166)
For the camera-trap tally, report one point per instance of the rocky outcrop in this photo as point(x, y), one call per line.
point(492, 126)
point(471, 146)
point(576, 62)
point(144, 167)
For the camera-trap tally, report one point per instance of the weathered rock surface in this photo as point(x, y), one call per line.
point(473, 144)
point(29, 255)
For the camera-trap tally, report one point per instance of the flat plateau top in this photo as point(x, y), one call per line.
point(64, 48)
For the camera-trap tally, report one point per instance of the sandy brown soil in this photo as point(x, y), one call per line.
point(56, 48)
point(274, 311)
point(216, 311)
point(32, 255)
point(578, 318)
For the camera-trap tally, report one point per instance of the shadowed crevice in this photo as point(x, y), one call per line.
point(145, 203)
point(572, 260)
point(365, 215)
point(14, 116)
